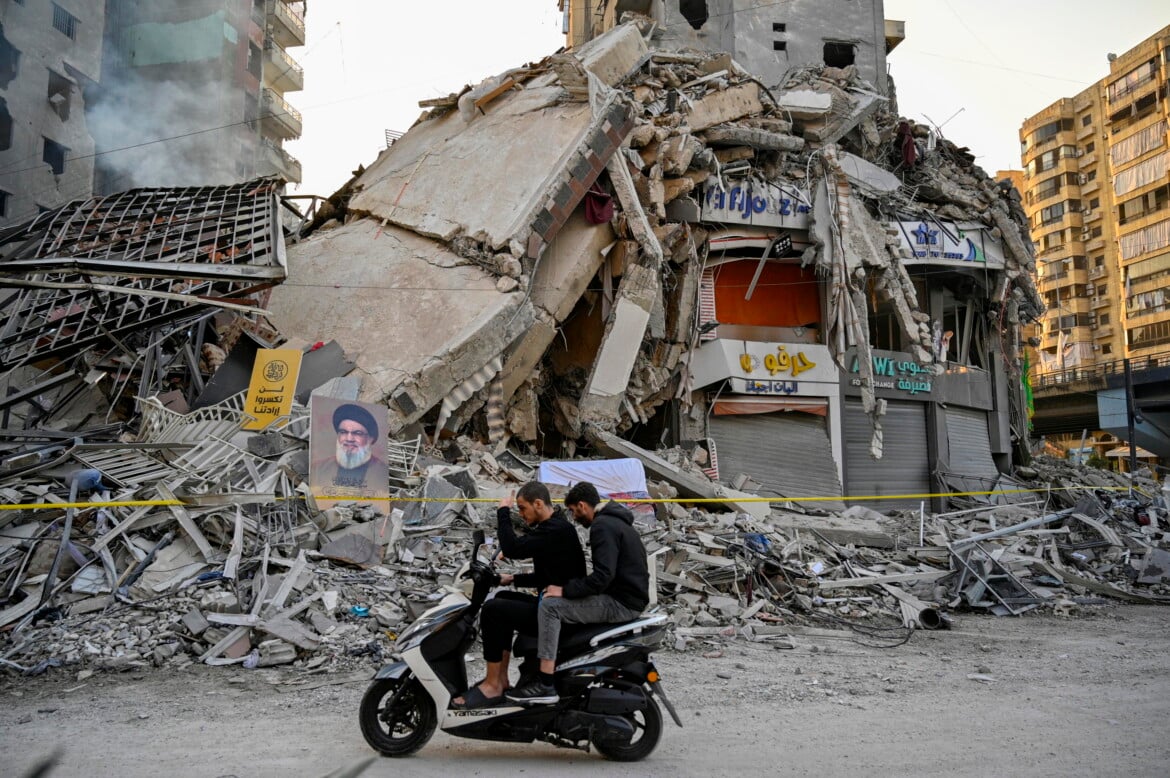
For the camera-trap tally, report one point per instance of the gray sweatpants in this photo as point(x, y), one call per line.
point(594, 609)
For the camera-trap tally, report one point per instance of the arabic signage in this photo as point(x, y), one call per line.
point(767, 368)
point(893, 373)
point(759, 204)
point(962, 244)
point(274, 381)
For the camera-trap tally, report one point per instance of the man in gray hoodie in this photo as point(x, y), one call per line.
point(616, 591)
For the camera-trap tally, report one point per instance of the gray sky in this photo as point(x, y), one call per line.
point(977, 67)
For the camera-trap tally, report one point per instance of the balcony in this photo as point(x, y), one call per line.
point(286, 23)
point(281, 72)
point(1096, 244)
point(1090, 186)
point(1085, 130)
point(1102, 331)
point(278, 119)
point(1088, 160)
point(1097, 272)
point(276, 161)
point(1102, 301)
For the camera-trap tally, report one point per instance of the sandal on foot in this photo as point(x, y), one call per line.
point(475, 698)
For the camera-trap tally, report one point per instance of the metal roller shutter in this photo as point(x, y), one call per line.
point(971, 466)
point(787, 453)
point(905, 464)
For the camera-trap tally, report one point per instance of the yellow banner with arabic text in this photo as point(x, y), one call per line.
point(273, 384)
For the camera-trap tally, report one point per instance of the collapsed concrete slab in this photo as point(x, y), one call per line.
point(392, 281)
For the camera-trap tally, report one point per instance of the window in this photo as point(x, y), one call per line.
point(1092, 176)
point(5, 126)
point(779, 27)
point(254, 54)
point(1096, 233)
point(64, 22)
point(9, 60)
point(1090, 147)
point(779, 45)
point(839, 54)
point(1095, 203)
point(3, 203)
point(694, 11)
point(54, 154)
point(58, 94)
point(1099, 261)
point(1103, 319)
point(1106, 349)
point(1086, 120)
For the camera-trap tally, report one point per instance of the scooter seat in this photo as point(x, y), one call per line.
point(574, 639)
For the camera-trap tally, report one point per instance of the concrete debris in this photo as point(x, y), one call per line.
point(537, 270)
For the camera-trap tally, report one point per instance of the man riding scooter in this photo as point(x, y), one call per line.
point(555, 550)
point(616, 591)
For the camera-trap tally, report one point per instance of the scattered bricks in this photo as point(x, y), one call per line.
point(194, 622)
point(274, 652)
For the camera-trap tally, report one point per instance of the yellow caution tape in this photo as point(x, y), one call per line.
point(646, 500)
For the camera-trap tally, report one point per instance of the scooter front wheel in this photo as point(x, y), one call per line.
point(397, 716)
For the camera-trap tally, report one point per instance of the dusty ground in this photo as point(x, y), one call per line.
point(1086, 696)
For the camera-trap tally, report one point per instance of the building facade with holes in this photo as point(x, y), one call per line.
point(50, 52)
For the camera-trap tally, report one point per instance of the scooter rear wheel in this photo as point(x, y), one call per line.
point(647, 730)
point(397, 725)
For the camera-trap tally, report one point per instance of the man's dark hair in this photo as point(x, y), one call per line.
point(583, 492)
point(533, 491)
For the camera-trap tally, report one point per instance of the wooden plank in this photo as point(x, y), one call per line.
point(188, 524)
point(290, 580)
point(846, 583)
point(231, 566)
point(126, 524)
point(504, 86)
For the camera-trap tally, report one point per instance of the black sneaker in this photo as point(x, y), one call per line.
point(533, 693)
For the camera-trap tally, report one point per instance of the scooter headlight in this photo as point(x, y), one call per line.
point(425, 626)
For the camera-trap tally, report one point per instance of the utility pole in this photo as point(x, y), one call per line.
point(1129, 423)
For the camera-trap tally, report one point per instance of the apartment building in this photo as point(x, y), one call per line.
point(194, 92)
point(1098, 198)
point(50, 52)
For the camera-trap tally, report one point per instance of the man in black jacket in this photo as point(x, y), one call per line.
point(616, 591)
point(555, 550)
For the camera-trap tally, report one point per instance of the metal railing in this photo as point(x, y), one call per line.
point(290, 64)
point(1099, 371)
point(290, 16)
point(275, 106)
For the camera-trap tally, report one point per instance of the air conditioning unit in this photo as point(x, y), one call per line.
point(1087, 211)
point(1096, 347)
point(1080, 152)
point(1090, 289)
point(1083, 178)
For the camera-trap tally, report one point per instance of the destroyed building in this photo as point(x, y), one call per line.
point(809, 294)
point(780, 289)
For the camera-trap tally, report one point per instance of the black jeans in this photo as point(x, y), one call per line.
point(503, 616)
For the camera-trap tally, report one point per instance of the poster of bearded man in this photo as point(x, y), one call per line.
point(347, 453)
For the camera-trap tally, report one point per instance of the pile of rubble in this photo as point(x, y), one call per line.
point(211, 553)
point(134, 321)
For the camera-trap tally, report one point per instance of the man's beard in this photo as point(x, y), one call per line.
point(348, 460)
